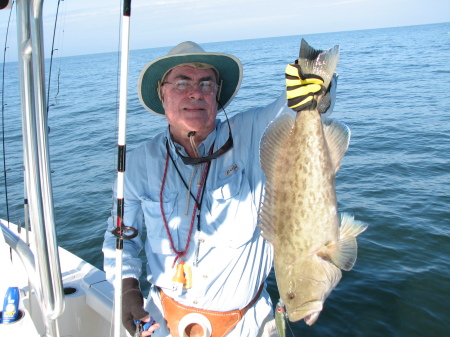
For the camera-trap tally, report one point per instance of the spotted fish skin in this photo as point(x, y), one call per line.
point(299, 215)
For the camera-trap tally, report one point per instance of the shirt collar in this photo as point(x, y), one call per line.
point(203, 148)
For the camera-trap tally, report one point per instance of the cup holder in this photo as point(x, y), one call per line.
point(70, 290)
point(20, 316)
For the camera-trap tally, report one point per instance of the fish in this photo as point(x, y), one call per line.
point(312, 241)
point(280, 318)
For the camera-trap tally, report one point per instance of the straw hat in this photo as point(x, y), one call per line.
point(228, 66)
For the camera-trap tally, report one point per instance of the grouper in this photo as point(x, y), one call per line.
point(299, 216)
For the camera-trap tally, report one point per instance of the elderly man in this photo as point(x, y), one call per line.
point(193, 193)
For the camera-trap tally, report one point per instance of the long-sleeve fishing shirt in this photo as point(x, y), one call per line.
point(228, 256)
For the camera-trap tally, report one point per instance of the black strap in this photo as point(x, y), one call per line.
point(198, 202)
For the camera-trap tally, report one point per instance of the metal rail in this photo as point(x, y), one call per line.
point(36, 158)
point(27, 257)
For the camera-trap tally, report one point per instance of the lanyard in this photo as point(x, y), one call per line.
point(197, 206)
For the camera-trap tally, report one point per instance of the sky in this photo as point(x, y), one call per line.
point(93, 26)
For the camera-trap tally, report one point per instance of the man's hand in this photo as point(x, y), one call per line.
point(132, 304)
point(326, 104)
point(301, 88)
point(151, 329)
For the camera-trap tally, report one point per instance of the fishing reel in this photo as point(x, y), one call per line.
point(125, 232)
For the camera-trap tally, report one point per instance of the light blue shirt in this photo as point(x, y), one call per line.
point(233, 259)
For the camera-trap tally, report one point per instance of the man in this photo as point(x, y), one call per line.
point(195, 190)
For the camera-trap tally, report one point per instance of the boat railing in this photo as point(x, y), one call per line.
point(36, 159)
point(26, 256)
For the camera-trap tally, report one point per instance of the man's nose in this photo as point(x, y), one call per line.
point(195, 90)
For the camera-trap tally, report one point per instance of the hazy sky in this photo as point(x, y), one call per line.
point(92, 26)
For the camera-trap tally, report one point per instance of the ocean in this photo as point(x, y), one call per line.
point(394, 94)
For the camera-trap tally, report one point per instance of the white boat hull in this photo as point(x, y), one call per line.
point(88, 296)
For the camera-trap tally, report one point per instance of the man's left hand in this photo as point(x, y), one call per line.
point(151, 329)
point(301, 88)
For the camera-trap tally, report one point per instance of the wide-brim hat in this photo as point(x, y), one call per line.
point(228, 66)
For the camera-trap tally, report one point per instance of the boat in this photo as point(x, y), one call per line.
point(85, 305)
point(60, 293)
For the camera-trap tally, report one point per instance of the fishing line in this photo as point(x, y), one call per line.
point(290, 328)
point(3, 114)
point(51, 61)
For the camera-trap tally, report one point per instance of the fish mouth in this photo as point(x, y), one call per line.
point(309, 312)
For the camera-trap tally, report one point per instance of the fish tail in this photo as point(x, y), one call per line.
point(318, 62)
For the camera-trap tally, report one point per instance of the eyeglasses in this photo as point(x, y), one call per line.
point(185, 86)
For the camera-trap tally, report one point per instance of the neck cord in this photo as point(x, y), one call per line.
point(198, 202)
point(194, 171)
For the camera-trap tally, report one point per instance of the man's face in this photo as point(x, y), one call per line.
point(192, 110)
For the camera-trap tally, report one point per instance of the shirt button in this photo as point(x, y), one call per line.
point(195, 302)
point(202, 240)
point(205, 276)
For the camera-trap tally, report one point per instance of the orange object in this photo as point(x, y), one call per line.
point(179, 274)
point(188, 276)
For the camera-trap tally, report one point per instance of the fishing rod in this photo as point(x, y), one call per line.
point(5, 5)
point(51, 57)
point(121, 231)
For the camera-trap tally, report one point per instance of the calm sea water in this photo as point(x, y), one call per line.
point(393, 92)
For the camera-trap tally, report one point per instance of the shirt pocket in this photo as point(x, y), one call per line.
point(233, 213)
point(154, 223)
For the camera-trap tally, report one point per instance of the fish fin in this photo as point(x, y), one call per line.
point(272, 141)
point(318, 62)
point(344, 253)
point(332, 272)
point(350, 226)
point(337, 135)
point(267, 233)
point(265, 217)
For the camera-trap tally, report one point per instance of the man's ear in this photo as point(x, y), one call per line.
point(160, 94)
point(219, 90)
